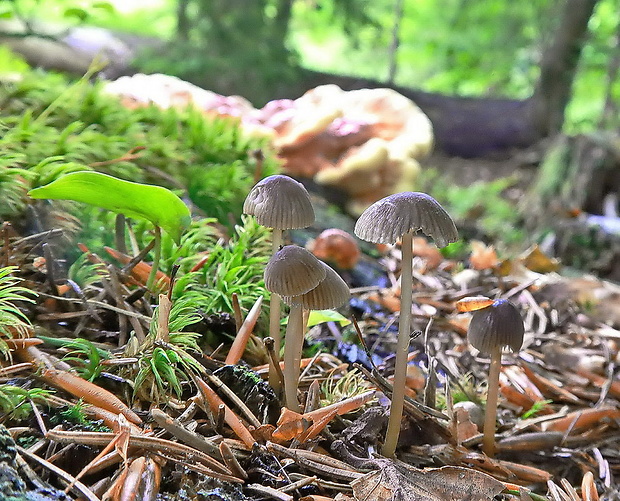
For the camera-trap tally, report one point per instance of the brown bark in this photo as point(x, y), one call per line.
point(183, 23)
point(558, 67)
point(471, 127)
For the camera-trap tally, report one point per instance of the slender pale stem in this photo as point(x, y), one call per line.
point(402, 348)
point(156, 257)
point(490, 413)
point(274, 316)
point(294, 343)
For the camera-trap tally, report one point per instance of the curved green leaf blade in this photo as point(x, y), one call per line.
point(321, 316)
point(154, 203)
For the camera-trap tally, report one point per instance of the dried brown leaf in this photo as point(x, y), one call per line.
point(396, 481)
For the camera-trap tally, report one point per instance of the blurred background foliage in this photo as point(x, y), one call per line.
point(482, 48)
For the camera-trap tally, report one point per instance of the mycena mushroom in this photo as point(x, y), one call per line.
point(395, 217)
point(490, 329)
point(331, 292)
point(293, 271)
point(281, 203)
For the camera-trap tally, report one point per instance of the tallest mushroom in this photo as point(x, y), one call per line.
point(395, 217)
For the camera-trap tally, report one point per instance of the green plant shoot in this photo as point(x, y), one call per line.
point(156, 204)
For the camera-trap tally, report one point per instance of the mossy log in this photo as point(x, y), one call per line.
point(575, 198)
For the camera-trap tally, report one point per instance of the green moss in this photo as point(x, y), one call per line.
point(52, 126)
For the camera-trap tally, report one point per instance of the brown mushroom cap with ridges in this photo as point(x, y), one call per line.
point(280, 202)
point(496, 326)
point(293, 271)
point(332, 292)
point(390, 218)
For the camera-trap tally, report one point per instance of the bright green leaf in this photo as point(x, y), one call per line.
point(322, 316)
point(154, 203)
point(76, 12)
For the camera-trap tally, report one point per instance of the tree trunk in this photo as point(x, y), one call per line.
point(183, 23)
point(281, 24)
point(558, 67)
point(575, 198)
point(393, 51)
point(471, 127)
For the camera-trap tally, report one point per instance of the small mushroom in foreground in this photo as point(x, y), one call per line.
point(293, 271)
point(281, 203)
point(330, 293)
point(490, 329)
point(391, 218)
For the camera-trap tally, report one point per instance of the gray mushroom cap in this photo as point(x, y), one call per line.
point(496, 326)
point(331, 292)
point(390, 218)
point(280, 202)
point(293, 271)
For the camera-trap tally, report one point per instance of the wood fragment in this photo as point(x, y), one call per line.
point(269, 492)
point(188, 437)
point(152, 444)
point(214, 402)
point(77, 486)
point(582, 419)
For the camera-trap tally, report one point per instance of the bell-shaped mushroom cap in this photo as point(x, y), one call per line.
point(496, 326)
point(390, 218)
point(330, 293)
point(280, 202)
point(293, 271)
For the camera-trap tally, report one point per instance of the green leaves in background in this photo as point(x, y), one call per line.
point(154, 203)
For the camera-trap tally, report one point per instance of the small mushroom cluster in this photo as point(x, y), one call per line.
point(293, 273)
point(304, 282)
point(280, 203)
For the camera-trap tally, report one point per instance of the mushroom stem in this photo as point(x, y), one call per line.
point(490, 412)
point(402, 348)
point(274, 315)
point(294, 342)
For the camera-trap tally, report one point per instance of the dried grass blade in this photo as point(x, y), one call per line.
point(89, 392)
point(242, 337)
point(151, 444)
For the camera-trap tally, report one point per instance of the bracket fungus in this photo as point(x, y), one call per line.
point(491, 328)
point(281, 203)
point(395, 217)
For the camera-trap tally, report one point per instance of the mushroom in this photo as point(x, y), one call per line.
point(336, 246)
point(281, 203)
point(490, 329)
point(400, 216)
point(293, 271)
point(329, 293)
